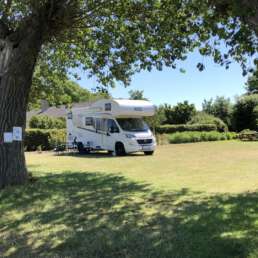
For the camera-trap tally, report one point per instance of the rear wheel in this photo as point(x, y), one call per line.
point(148, 152)
point(81, 148)
point(120, 149)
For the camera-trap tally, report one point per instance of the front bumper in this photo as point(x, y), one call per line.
point(135, 147)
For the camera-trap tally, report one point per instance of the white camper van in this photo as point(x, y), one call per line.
point(115, 125)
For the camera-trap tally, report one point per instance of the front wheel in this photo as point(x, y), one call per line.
point(120, 149)
point(148, 153)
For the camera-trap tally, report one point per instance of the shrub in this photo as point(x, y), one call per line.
point(162, 139)
point(181, 113)
point(157, 119)
point(46, 122)
point(44, 139)
point(220, 107)
point(185, 137)
point(249, 135)
point(245, 113)
point(185, 128)
point(203, 118)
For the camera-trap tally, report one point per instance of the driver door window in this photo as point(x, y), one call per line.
point(112, 126)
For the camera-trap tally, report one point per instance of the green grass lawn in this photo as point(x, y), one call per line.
point(188, 200)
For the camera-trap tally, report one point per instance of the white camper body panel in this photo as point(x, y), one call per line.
point(125, 107)
point(93, 126)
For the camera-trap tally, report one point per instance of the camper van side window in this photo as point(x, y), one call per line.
point(89, 121)
point(100, 124)
point(108, 107)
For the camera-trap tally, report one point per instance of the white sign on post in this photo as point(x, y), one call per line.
point(8, 137)
point(17, 134)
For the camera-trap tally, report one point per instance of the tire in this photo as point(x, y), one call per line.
point(120, 149)
point(148, 153)
point(81, 148)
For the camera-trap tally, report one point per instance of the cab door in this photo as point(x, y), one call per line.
point(112, 134)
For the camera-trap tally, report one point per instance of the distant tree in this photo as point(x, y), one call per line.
point(46, 122)
point(207, 106)
point(168, 112)
point(180, 113)
point(245, 113)
point(183, 112)
point(58, 90)
point(136, 94)
point(158, 118)
point(221, 107)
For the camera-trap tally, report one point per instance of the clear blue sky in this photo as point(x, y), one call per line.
point(172, 86)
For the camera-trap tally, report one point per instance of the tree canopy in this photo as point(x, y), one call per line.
point(137, 94)
point(220, 107)
point(181, 113)
point(113, 39)
point(58, 90)
point(252, 82)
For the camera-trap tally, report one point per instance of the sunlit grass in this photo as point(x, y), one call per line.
point(210, 167)
point(190, 200)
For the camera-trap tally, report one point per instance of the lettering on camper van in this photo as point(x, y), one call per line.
point(138, 109)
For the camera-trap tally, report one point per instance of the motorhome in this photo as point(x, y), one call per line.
point(115, 125)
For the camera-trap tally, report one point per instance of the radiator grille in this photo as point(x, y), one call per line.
point(144, 141)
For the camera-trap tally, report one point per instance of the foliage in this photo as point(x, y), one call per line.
point(45, 139)
point(58, 89)
point(114, 39)
point(203, 118)
point(221, 107)
point(162, 139)
point(156, 120)
point(245, 113)
point(185, 128)
point(136, 94)
point(252, 82)
point(249, 135)
point(179, 114)
point(185, 137)
point(46, 122)
point(252, 85)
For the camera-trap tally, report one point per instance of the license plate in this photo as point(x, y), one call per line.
point(145, 148)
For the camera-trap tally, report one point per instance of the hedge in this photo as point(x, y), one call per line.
point(44, 139)
point(203, 118)
point(248, 135)
point(186, 128)
point(185, 137)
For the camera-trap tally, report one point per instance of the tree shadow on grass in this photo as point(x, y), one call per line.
point(105, 215)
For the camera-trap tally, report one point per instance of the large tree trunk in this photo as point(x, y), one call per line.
point(17, 62)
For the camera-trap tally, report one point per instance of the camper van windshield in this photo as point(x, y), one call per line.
point(132, 124)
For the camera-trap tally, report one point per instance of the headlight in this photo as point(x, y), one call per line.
point(130, 136)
